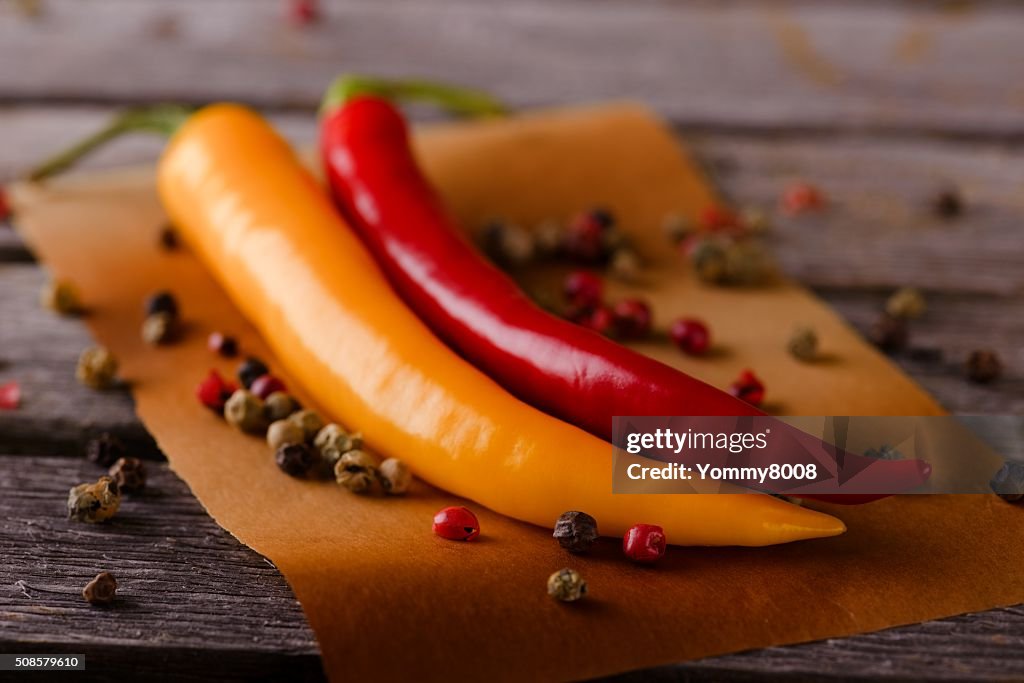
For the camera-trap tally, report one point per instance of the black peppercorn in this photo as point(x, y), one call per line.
point(250, 369)
point(947, 204)
point(295, 459)
point(105, 450)
point(983, 366)
point(576, 531)
point(130, 474)
point(162, 302)
point(889, 334)
point(1008, 482)
point(101, 590)
point(223, 344)
point(169, 238)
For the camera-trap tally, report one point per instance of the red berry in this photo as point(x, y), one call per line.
point(600, 320)
point(222, 344)
point(632, 318)
point(213, 392)
point(265, 385)
point(303, 12)
point(717, 218)
point(802, 197)
point(10, 396)
point(644, 543)
point(583, 289)
point(690, 335)
point(585, 237)
point(748, 388)
point(456, 524)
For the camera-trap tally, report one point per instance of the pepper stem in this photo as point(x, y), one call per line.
point(456, 100)
point(161, 119)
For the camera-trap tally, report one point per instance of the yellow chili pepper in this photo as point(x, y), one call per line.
point(271, 236)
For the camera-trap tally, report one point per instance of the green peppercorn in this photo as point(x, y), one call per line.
point(95, 502)
point(567, 585)
point(803, 344)
point(746, 263)
point(575, 531)
point(282, 432)
point(332, 441)
point(162, 302)
point(548, 237)
point(906, 304)
point(709, 261)
point(101, 590)
point(310, 422)
point(356, 471)
point(61, 297)
point(279, 405)
point(159, 328)
point(130, 475)
point(97, 368)
point(295, 459)
point(395, 476)
point(251, 369)
point(244, 410)
point(625, 265)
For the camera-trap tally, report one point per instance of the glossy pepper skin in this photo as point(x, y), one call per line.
point(270, 235)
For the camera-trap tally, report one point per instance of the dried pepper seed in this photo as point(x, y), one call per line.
point(676, 227)
point(162, 302)
point(644, 543)
point(105, 450)
point(94, 503)
point(983, 366)
point(566, 585)
point(244, 411)
point(310, 421)
point(214, 391)
point(575, 531)
point(507, 244)
point(101, 590)
point(709, 260)
point(906, 304)
point(755, 220)
point(279, 405)
point(61, 297)
point(265, 385)
point(395, 476)
point(718, 219)
point(456, 524)
point(10, 396)
point(333, 442)
point(168, 238)
point(250, 369)
point(222, 344)
point(625, 265)
point(585, 239)
point(583, 289)
point(889, 334)
point(158, 328)
point(803, 344)
point(632, 318)
point(748, 387)
point(691, 336)
point(801, 198)
point(948, 204)
point(356, 471)
point(1008, 482)
point(284, 432)
point(746, 263)
point(130, 474)
point(97, 368)
point(295, 459)
point(548, 237)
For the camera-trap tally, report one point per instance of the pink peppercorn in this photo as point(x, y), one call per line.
point(644, 543)
point(748, 388)
point(802, 197)
point(718, 218)
point(632, 318)
point(456, 524)
point(213, 392)
point(585, 236)
point(690, 335)
point(583, 289)
point(600, 320)
point(222, 344)
point(303, 12)
point(264, 385)
point(10, 396)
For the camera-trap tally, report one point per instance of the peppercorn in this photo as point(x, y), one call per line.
point(61, 297)
point(755, 220)
point(303, 12)
point(802, 197)
point(625, 265)
point(245, 411)
point(158, 328)
point(356, 471)
point(332, 442)
point(983, 366)
point(586, 239)
point(168, 238)
point(548, 237)
point(691, 336)
point(456, 523)
point(889, 334)
point(222, 344)
point(395, 476)
point(10, 395)
point(97, 368)
point(283, 432)
point(101, 590)
point(709, 260)
point(295, 459)
point(803, 344)
point(279, 405)
point(5, 205)
point(310, 421)
point(747, 263)
point(644, 543)
point(948, 203)
point(717, 219)
point(748, 387)
point(94, 503)
point(566, 585)
point(162, 302)
point(583, 289)
point(130, 474)
point(214, 391)
point(507, 244)
point(632, 318)
point(906, 304)
point(925, 354)
point(883, 452)
point(249, 370)
point(104, 450)
point(675, 227)
point(575, 531)
point(265, 385)
point(1008, 482)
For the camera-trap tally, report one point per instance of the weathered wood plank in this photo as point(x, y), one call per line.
point(918, 67)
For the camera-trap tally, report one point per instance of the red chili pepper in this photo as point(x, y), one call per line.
point(644, 543)
point(10, 396)
point(456, 524)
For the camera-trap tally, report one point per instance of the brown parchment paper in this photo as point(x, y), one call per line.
point(389, 600)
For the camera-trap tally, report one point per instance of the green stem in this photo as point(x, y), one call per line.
point(456, 100)
point(160, 119)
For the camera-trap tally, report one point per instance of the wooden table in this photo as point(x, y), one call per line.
point(881, 104)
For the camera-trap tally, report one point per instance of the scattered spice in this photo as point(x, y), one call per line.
point(632, 318)
point(507, 244)
point(755, 220)
point(600, 320)
point(250, 369)
point(889, 334)
point(691, 336)
point(456, 523)
point(1008, 482)
point(310, 421)
point(158, 328)
point(279, 405)
point(718, 219)
point(583, 289)
point(906, 304)
point(644, 543)
point(948, 203)
point(284, 432)
point(587, 238)
point(746, 263)
point(548, 238)
point(575, 531)
point(214, 391)
point(802, 198)
point(222, 344)
point(748, 387)
point(168, 238)
point(625, 265)
point(356, 471)
point(332, 441)
point(295, 459)
point(675, 227)
point(105, 450)
point(94, 503)
point(265, 385)
point(803, 344)
point(709, 260)
point(925, 354)
point(244, 411)
point(101, 590)
point(61, 297)
point(162, 302)
point(983, 366)
point(395, 476)
point(130, 474)
point(566, 585)
point(10, 396)
point(97, 368)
